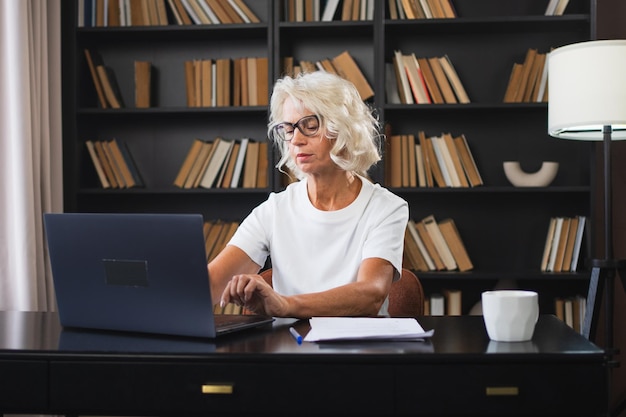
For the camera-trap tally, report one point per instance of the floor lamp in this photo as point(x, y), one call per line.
point(587, 101)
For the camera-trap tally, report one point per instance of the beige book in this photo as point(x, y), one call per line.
point(347, 68)
point(97, 165)
point(250, 169)
point(185, 168)
point(143, 83)
point(442, 81)
point(455, 81)
point(455, 243)
point(440, 243)
point(469, 164)
point(430, 246)
point(221, 149)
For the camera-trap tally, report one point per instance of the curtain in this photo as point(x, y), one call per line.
point(30, 148)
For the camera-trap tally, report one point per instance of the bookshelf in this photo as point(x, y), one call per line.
point(503, 227)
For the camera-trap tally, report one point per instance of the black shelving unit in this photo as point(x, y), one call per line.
point(503, 227)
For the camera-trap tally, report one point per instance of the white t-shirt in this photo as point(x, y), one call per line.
point(313, 250)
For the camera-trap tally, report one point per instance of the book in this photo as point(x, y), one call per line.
point(230, 166)
point(92, 61)
point(104, 182)
point(190, 158)
point(244, 11)
point(433, 162)
point(555, 244)
point(431, 82)
point(456, 160)
point(548, 244)
point(109, 87)
point(428, 174)
point(430, 246)
point(243, 148)
point(425, 255)
point(143, 75)
point(122, 164)
point(453, 302)
point(432, 227)
point(560, 249)
point(221, 148)
point(578, 243)
point(402, 79)
point(455, 243)
point(196, 170)
point(347, 68)
point(437, 304)
point(569, 246)
point(106, 164)
point(412, 257)
point(394, 161)
point(416, 80)
point(262, 180)
point(515, 80)
point(330, 8)
point(469, 164)
point(442, 81)
point(251, 164)
point(455, 81)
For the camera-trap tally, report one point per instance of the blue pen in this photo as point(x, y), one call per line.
point(295, 335)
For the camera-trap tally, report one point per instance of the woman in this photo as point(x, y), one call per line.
point(335, 239)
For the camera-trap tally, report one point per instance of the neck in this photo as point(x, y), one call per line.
point(333, 193)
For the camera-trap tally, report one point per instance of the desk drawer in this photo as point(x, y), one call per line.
point(23, 386)
point(521, 389)
point(161, 388)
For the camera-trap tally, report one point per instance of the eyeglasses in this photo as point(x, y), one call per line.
point(308, 126)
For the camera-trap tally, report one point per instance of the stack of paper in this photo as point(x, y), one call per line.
point(365, 328)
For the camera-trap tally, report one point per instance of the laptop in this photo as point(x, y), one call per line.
point(136, 272)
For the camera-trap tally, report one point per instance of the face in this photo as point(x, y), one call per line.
point(310, 153)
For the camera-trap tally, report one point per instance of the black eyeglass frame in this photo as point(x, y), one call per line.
point(297, 125)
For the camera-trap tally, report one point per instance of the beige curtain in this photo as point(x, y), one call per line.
point(30, 148)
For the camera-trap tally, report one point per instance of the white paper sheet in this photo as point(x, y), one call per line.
point(365, 328)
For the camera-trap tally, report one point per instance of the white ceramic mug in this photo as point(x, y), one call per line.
point(510, 315)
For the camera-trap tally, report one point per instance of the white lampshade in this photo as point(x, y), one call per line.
point(587, 90)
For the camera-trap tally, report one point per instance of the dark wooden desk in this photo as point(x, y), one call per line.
point(50, 370)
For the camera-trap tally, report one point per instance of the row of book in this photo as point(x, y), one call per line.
point(319, 11)
point(528, 81)
point(227, 82)
point(419, 80)
point(114, 13)
point(563, 244)
point(114, 164)
point(217, 234)
point(224, 163)
point(448, 302)
point(343, 65)
point(436, 161)
point(421, 9)
point(571, 310)
point(430, 245)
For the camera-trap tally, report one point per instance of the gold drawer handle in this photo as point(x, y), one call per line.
point(217, 388)
point(502, 391)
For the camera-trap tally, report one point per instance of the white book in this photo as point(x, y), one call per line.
point(555, 244)
point(191, 12)
point(239, 164)
point(240, 12)
point(560, 7)
point(443, 166)
point(551, 8)
point(370, 9)
point(437, 305)
point(404, 79)
point(578, 243)
point(209, 12)
point(329, 10)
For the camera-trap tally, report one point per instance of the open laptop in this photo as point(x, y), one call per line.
point(135, 272)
